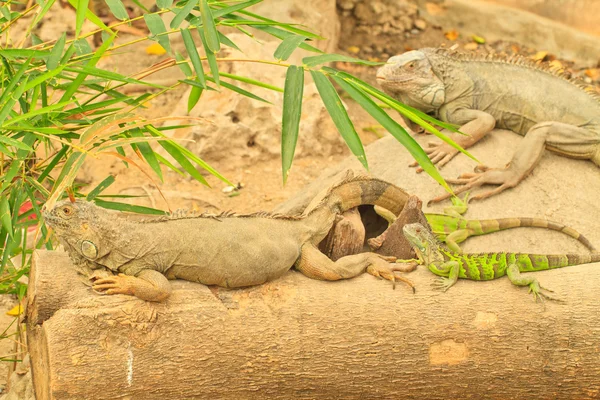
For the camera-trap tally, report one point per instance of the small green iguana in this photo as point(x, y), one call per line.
point(452, 228)
point(227, 250)
point(451, 266)
point(480, 93)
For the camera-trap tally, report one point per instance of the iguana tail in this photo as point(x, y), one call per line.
point(539, 262)
point(352, 192)
point(485, 226)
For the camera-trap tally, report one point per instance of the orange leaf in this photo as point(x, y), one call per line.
point(451, 35)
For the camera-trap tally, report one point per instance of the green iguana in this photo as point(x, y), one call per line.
point(451, 266)
point(482, 92)
point(226, 250)
point(452, 228)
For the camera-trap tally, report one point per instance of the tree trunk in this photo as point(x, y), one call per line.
point(305, 339)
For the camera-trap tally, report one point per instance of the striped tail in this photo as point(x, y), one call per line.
point(494, 225)
point(540, 262)
point(352, 192)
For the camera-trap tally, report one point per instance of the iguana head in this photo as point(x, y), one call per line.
point(411, 78)
point(423, 242)
point(79, 226)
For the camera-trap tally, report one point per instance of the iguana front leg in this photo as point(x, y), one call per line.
point(562, 137)
point(475, 124)
point(452, 268)
point(316, 265)
point(148, 285)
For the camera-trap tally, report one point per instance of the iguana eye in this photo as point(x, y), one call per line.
point(67, 211)
point(410, 65)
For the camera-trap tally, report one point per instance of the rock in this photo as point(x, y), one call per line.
point(420, 24)
point(241, 127)
point(346, 4)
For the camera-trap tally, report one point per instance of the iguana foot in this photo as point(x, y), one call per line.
point(116, 284)
point(536, 289)
point(505, 178)
point(384, 270)
point(442, 284)
point(440, 154)
point(375, 243)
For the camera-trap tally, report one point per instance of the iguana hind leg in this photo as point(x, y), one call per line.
point(148, 285)
point(316, 265)
point(565, 139)
point(515, 276)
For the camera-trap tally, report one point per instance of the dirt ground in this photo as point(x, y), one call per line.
point(261, 181)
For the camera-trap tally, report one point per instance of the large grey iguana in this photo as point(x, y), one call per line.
point(482, 92)
point(226, 250)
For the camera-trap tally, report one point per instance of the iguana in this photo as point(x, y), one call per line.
point(227, 250)
point(482, 92)
point(452, 228)
point(451, 266)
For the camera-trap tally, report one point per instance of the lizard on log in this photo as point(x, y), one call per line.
point(227, 250)
point(451, 266)
point(482, 92)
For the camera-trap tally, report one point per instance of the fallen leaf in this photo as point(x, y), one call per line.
point(515, 49)
point(15, 311)
point(593, 73)
point(451, 35)
point(540, 55)
point(556, 65)
point(353, 49)
point(155, 49)
point(478, 39)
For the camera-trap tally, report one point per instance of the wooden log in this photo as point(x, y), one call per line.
point(305, 339)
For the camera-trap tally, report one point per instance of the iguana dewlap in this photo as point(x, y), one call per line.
point(480, 93)
point(226, 250)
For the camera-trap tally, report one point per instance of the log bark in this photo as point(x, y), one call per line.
point(305, 339)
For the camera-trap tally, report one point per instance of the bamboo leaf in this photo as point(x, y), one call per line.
point(114, 205)
point(234, 8)
point(194, 97)
point(82, 47)
point(327, 58)
point(251, 81)
point(210, 30)
point(292, 110)
point(338, 114)
point(240, 90)
point(182, 13)
point(183, 161)
point(117, 9)
point(91, 17)
point(5, 217)
point(163, 4)
point(15, 143)
point(212, 59)
point(56, 52)
point(190, 47)
point(394, 129)
point(287, 47)
point(82, 7)
point(183, 65)
point(100, 188)
point(148, 154)
point(159, 31)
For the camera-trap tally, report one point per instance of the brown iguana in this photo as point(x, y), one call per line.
point(227, 250)
point(482, 92)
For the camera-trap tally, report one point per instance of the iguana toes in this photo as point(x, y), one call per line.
point(480, 93)
point(226, 250)
point(486, 266)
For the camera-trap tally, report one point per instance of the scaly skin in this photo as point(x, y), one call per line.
point(451, 266)
point(452, 228)
point(226, 250)
point(480, 93)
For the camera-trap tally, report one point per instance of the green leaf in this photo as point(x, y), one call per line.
point(90, 16)
point(82, 47)
point(82, 7)
point(159, 31)
point(240, 91)
point(5, 216)
point(183, 161)
point(162, 4)
point(182, 13)
point(212, 59)
point(292, 110)
point(251, 81)
point(56, 52)
point(287, 47)
point(114, 205)
point(53, 163)
point(194, 96)
point(327, 58)
point(15, 143)
point(183, 65)
point(340, 118)
point(190, 47)
point(234, 8)
point(210, 30)
point(394, 129)
point(147, 153)
point(100, 188)
point(117, 8)
point(228, 42)
point(281, 34)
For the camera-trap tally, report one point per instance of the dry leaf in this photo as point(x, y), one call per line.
point(556, 65)
point(515, 49)
point(155, 49)
point(593, 73)
point(451, 35)
point(353, 49)
point(15, 311)
point(540, 55)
